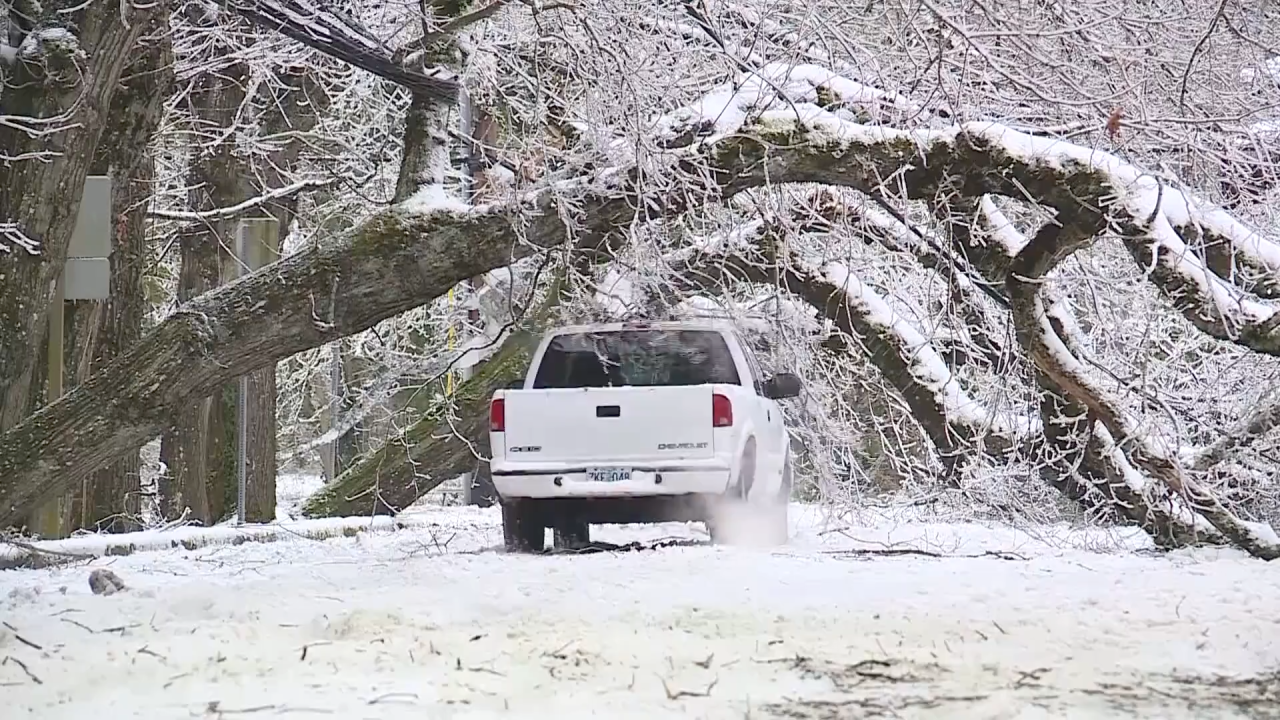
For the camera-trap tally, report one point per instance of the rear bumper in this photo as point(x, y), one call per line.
point(564, 481)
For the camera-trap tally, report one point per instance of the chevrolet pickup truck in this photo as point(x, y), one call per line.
point(641, 423)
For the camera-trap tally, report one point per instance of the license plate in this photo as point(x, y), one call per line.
point(608, 475)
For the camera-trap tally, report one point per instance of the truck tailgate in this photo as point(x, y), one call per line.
point(609, 424)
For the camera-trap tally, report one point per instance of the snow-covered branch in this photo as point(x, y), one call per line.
point(11, 236)
point(954, 421)
point(342, 37)
point(241, 208)
point(1049, 247)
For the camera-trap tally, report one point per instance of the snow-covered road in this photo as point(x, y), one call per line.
point(435, 623)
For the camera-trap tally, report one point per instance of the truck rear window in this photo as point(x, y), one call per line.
point(637, 358)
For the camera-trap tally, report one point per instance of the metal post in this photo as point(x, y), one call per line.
point(242, 404)
point(335, 404)
point(48, 518)
point(257, 245)
point(466, 126)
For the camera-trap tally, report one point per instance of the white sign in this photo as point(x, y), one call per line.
point(87, 274)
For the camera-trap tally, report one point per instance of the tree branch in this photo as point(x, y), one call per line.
point(342, 37)
point(243, 207)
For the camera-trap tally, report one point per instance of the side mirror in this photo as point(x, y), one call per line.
point(514, 385)
point(782, 385)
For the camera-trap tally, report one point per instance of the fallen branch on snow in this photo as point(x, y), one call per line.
point(50, 553)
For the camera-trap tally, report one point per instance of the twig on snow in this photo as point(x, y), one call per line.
point(21, 639)
point(892, 552)
point(11, 659)
point(677, 694)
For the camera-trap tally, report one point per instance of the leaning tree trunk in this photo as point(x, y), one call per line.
point(42, 175)
point(451, 439)
point(199, 451)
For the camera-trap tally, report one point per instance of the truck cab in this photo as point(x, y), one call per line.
point(638, 422)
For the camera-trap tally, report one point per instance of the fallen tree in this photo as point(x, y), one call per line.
point(450, 439)
point(403, 257)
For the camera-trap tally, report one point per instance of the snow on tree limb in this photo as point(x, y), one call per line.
point(1050, 246)
point(342, 37)
point(1148, 214)
point(1082, 460)
point(953, 420)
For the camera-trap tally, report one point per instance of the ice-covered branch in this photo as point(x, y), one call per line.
point(341, 37)
point(1263, 419)
point(11, 236)
point(242, 207)
point(1102, 188)
point(953, 420)
point(1049, 247)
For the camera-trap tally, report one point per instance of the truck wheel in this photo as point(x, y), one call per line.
point(522, 532)
point(779, 523)
point(747, 470)
point(726, 514)
point(571, 535)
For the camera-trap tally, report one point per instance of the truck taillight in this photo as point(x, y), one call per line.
point(721, 411)
point(497, 415)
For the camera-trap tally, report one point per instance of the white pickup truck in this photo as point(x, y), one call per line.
point(640, 423)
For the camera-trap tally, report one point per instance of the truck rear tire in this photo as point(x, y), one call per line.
point(725, 513)
point(779, 521)
point(571, 535)
point(522, 531)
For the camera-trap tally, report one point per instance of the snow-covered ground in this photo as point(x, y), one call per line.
point(434, 621)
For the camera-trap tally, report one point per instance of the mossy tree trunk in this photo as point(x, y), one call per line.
point(450, 439)
point(195, 451)
point(43, 173)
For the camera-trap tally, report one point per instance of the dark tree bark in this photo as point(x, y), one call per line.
point(110, 499)
point(43, 174)
point(198, 452)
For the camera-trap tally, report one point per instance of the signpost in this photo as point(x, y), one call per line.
point(257, 244)
point(86, 276)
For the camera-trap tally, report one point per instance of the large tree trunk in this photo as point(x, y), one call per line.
point(199, 462)
point(110, 498)
point(450, 439)
point(42, 177)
